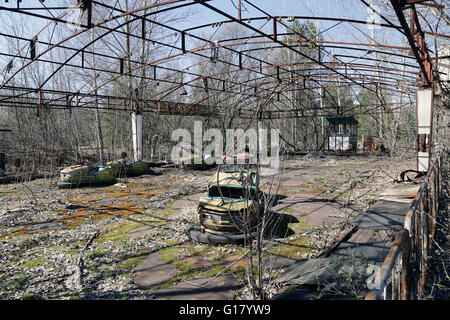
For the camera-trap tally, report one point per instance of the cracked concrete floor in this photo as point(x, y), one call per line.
point(141, 223)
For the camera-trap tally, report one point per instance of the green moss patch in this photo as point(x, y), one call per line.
point(130, 263)
point(120, 231)
point(33, 263)
point(95, 254)
point(295, 246)
point(293, 249)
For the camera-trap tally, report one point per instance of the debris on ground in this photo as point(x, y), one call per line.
point(43, 230)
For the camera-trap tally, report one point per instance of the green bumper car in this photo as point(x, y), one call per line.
point(84, 176)
point(117, 167)
point(121, 169)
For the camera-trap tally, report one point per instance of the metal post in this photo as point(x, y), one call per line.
point(239, 10)
point(88, 6)
point(183, 42)
point(33, 48)
point(275, 28)
point(405, 283)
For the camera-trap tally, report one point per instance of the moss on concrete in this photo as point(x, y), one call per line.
point(293, 249)
point(87, 199)
point(117, 232)
point(167, 211)
point(295, 246)
point(130, 263)
point(33, 263)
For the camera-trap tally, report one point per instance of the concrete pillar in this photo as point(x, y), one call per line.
point(424, 126)
point(136, 127)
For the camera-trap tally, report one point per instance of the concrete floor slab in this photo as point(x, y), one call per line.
point(153, 271)
point(273, 262)
point(401, 193)
point(385, 215)
point(141, 231)
point(189, 201)
point(220, 288)
point(371, 236)
point(312, 271)
point(347, 258)
point(315, 211)
point(362, 253)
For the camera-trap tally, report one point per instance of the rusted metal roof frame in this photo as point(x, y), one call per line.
point(273, 38)
point(294, 17)
point(105, 34)
point(398, 6)
point(110, 71)
point(321, 64)
point(240, 53)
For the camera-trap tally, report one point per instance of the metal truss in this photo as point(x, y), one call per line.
point(248, 74)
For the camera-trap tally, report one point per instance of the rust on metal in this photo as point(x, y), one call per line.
point(419, 228)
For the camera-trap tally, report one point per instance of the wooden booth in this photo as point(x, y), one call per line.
point(342, 134)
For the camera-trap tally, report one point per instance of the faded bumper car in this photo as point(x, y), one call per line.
point(197, 162)
point(84, 176)
point(230, 211)
point(121, 169)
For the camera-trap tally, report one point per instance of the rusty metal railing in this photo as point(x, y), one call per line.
point(403, 272)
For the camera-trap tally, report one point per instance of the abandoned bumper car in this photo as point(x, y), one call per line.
point(197, 162)
point(86, 176)
point(230, 211)
point(121, 169)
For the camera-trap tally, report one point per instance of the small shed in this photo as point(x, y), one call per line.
point(342, 133)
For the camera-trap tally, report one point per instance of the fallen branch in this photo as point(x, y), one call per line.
point(95, 235)
point(74, 281)
point(31, 191)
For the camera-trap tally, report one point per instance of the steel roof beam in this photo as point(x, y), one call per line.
point(398, 6)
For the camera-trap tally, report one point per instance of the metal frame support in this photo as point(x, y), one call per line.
point(87, 4)
point(240, 60)
point(420, 51)
point(275, 35)
point(239, 10)
point(183, 41)
point(33, 48)
point(205, 84)
point(136, 126)
point(424, 95)
point(401, 246)
point(39, 105)
point(143, 29)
